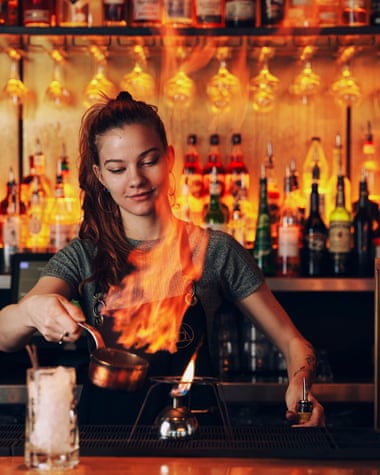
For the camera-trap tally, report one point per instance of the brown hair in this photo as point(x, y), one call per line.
point(101, 216)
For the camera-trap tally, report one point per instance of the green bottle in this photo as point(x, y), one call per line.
point(215, 216)
point(263, 247)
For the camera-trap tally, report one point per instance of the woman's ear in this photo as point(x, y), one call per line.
point(97, 173)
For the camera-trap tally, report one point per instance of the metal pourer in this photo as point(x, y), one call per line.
point(304, 406)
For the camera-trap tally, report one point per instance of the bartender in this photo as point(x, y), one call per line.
point(150, 283)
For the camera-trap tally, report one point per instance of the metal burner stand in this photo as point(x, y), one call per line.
point(175, 380)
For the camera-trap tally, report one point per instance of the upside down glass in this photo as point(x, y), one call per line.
point(51, 428)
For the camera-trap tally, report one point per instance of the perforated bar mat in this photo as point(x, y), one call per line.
point(260, 441)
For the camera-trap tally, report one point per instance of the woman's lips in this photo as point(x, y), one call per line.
point(141, 196)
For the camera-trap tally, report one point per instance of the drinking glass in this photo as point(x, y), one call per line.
point(99, 86)
point(137, 82)
point(14, 89)
point(51, 427)
point(223, 87)
point(57, 93)
point(179, 90)
point(307, 83)
point(346, 89)
point(263, 86)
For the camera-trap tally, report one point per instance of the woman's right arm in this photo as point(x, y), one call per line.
point(46, 308)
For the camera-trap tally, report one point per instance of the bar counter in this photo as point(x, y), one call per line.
point(200, 466)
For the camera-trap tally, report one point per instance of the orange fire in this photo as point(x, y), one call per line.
point(149, 305)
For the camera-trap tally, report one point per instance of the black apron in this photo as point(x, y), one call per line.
point(109, 406)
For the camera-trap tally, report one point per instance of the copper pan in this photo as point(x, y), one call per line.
point(114, 368)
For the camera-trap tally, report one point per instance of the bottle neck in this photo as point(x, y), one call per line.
point(263, 200)
point(340, 198)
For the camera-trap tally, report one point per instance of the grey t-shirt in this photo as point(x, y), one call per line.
point(230, 273)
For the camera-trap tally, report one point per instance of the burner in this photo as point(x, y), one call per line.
point(176, 422)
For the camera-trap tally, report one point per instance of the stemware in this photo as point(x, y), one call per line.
point(179, 90)
point(99, 86)
point(346, 89)
point(307, 83)
point(14, 89)
point(138, 82)
point(223, 87)
point(263, 86)
point(57, 93)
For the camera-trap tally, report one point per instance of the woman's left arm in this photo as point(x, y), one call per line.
point(265, 311)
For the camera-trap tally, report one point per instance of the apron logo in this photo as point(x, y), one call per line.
point(186, 336)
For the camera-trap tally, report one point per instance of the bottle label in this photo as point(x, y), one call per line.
point(240, 9)
point(339, 237)
point(11, 231)
point(147, 10)
point(35, 224)
point(288, 240)
point(315, 242)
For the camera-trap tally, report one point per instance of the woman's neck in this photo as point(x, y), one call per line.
point(144, 228)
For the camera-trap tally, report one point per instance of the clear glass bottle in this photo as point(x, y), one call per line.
point(371, 164)
point(178, 13)
point(274, 194)
point(355, 13)
point(289, 230)
point(301, 13)
point(11, 229)
point(339, 237)
point(235, 170)
point(272, 12)
point(37, 239)
point(263, 247)
point(73, 12)
point(61, 222)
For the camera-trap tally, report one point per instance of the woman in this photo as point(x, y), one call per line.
point(149, 282)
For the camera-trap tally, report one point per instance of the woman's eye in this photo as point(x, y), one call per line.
point(148, 162)
point(117, 170)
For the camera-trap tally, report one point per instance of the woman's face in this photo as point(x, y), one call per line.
point(134, 167)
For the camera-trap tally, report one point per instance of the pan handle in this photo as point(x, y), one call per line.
point(99, 342)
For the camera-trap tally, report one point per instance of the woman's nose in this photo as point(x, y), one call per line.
point(135, 176)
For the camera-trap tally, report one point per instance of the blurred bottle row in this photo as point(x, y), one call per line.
point(37, 215)
point(310, 228)
point(192, 13)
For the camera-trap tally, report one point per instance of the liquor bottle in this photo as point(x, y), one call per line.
point(214, 217)
point(249, 215)
point(315, 167)
point(240, 13)
point(289, 230)
point(263, 248)
point(338, 169)
point(371, 166)
point(115, 12)
point(363, 264)
point(61, 222)
point(192, 196)
point(9, 12)
point(315, 233)
point(37, 13)
point(73, 12)
point(11, 222)
point(178, 14)
point(214, 161)
point(301, 13)
point(236, 224)
point(272, 12)
point(339, 237)
point(36, 169)
point(71, 192)
point(374, 19)
point(145, 13)
point(355, 13)
point(37, 239)
point(236, 170)
point(297, 193)
point(209, 13)
point(274, 195)
point(329, 13)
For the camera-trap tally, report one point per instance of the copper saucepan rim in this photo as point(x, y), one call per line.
point(114, 358)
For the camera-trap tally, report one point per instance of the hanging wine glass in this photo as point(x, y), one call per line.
point(263, 86)
point(139, 83)
point(99, 86)
point(56, 93)
point(345, 89)
point(179, 90)
point(307, 83)
point(224, 86)
point(14, 89)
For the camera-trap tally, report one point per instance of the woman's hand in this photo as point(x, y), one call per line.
point(294, 394)
point(53, 316)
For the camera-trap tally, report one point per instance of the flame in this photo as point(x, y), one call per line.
point(149, 305)
point(186, 380)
